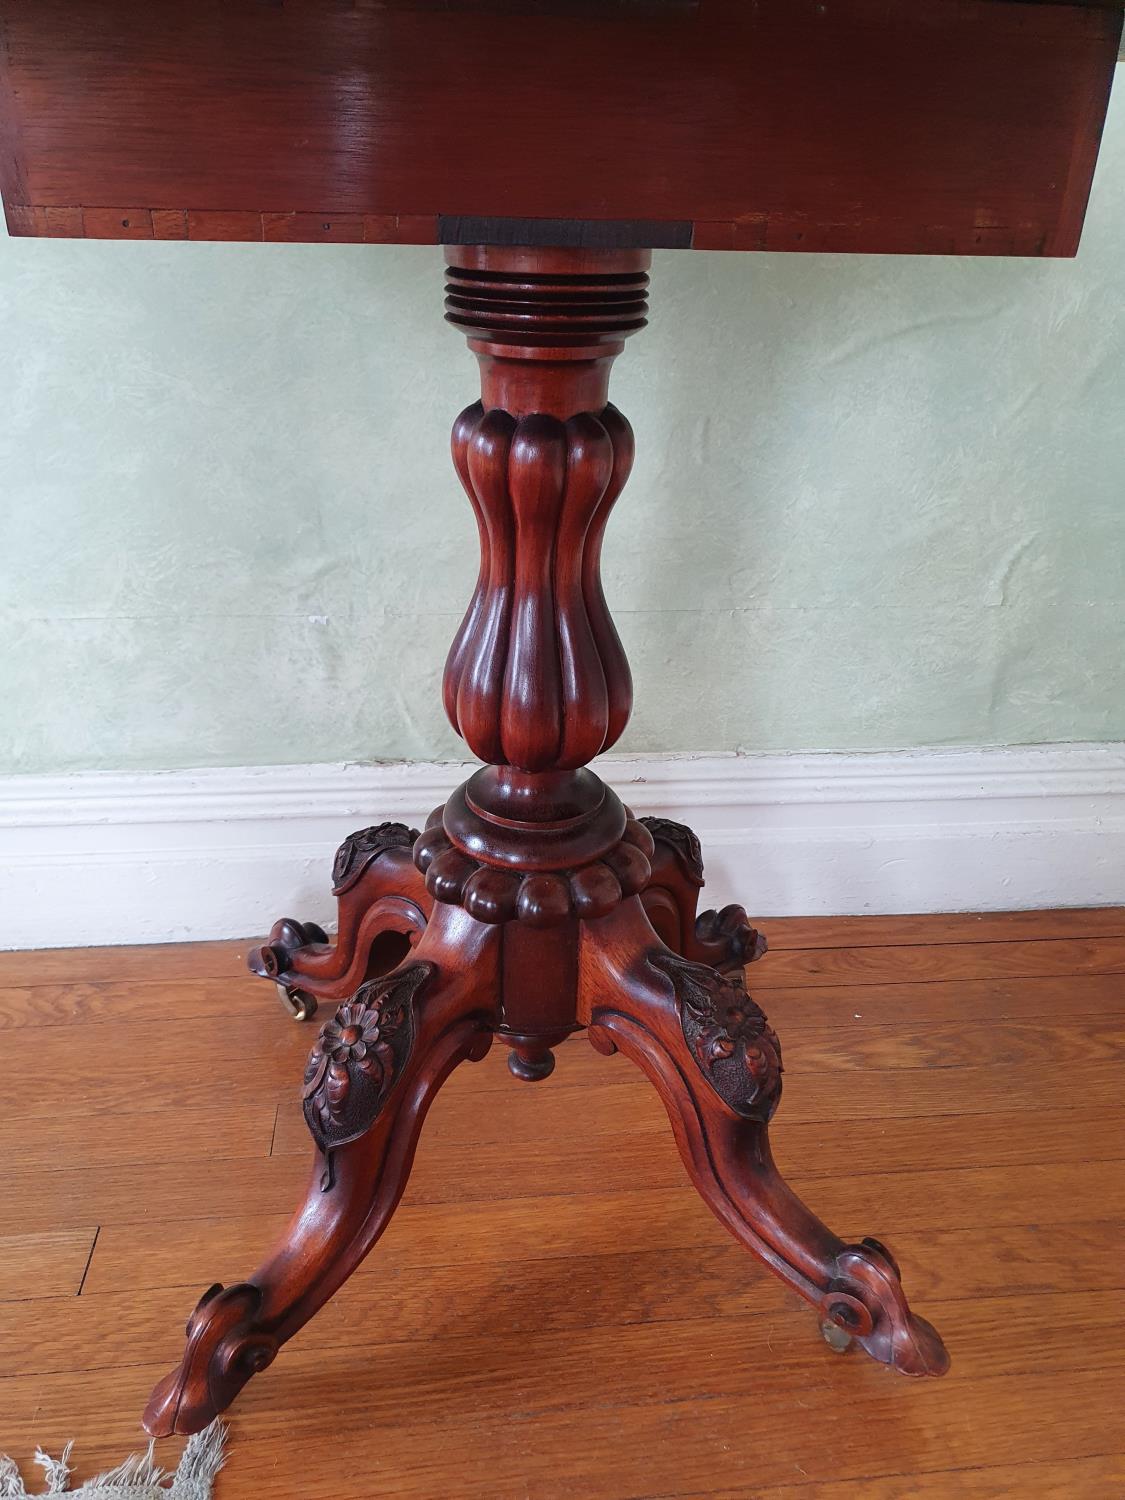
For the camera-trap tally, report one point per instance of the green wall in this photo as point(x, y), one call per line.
point(878, 502)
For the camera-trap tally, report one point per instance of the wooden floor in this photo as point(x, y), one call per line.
point(552, 1312)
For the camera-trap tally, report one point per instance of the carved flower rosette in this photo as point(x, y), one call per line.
point(359, 1055)
point(728, 1034)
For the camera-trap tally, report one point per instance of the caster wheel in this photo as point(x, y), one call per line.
point(838, 1339)
point(295, 1003)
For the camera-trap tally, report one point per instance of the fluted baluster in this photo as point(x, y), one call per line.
point(611, 653)
point(536, 678)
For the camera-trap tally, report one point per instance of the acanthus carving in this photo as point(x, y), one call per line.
point(362, 848)
point(728, 1034)
point(680, 839)
point(359, 1055)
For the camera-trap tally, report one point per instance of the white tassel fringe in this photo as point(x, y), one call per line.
point(138, 1478)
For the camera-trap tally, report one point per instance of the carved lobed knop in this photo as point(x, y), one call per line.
point(539, 898)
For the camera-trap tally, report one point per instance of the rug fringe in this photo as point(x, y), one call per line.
point(11, 1485)
point(204, 1456)
point(138, 1478)
point(57, 1470)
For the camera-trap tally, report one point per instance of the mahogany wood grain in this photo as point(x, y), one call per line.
point(864, 125)
point(551, 144)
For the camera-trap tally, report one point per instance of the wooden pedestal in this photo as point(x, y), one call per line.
point(533, 904)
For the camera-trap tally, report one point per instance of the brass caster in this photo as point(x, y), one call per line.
point(838, 1339)
point(295, 1003)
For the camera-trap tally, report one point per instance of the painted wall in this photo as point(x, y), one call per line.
point(878, 502)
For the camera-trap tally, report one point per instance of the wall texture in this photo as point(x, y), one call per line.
point(878, 502)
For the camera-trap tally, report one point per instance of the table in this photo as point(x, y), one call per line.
point(550, 146)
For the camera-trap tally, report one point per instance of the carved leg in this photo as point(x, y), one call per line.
point(724, 939)
point(383, 907)
point(717, 1066)
point(370, 1079)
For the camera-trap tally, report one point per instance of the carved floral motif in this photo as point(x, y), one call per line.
point(683, 843)
point(359, 1055)
point(359, 849)
point(728, 1034)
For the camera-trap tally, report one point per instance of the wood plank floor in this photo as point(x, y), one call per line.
point(553, 1313)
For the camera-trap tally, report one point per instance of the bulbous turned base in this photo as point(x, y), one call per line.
point(652, 979)
point(538, 849)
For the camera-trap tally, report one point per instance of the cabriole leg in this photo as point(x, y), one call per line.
point(717, 1066)
point(382, 909)
point(371, 1077)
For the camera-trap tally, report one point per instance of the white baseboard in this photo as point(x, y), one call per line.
point(169, 856)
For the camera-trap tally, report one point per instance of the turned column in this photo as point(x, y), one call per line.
point(536, 682)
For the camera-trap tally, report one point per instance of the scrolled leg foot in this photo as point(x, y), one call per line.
point(225, 1346)
point(716, 1064)
point(372, 1073)
point(723, 939)
point(865, 1301)
point(383, 907)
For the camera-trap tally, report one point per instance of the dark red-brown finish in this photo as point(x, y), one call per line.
point(717, 1066)
point(536, 678)
point(534, 903)
point(920, 126)
point(552, 143)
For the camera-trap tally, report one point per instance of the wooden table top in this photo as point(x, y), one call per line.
point(941, 126)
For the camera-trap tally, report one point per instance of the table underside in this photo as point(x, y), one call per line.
point(915, 126)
